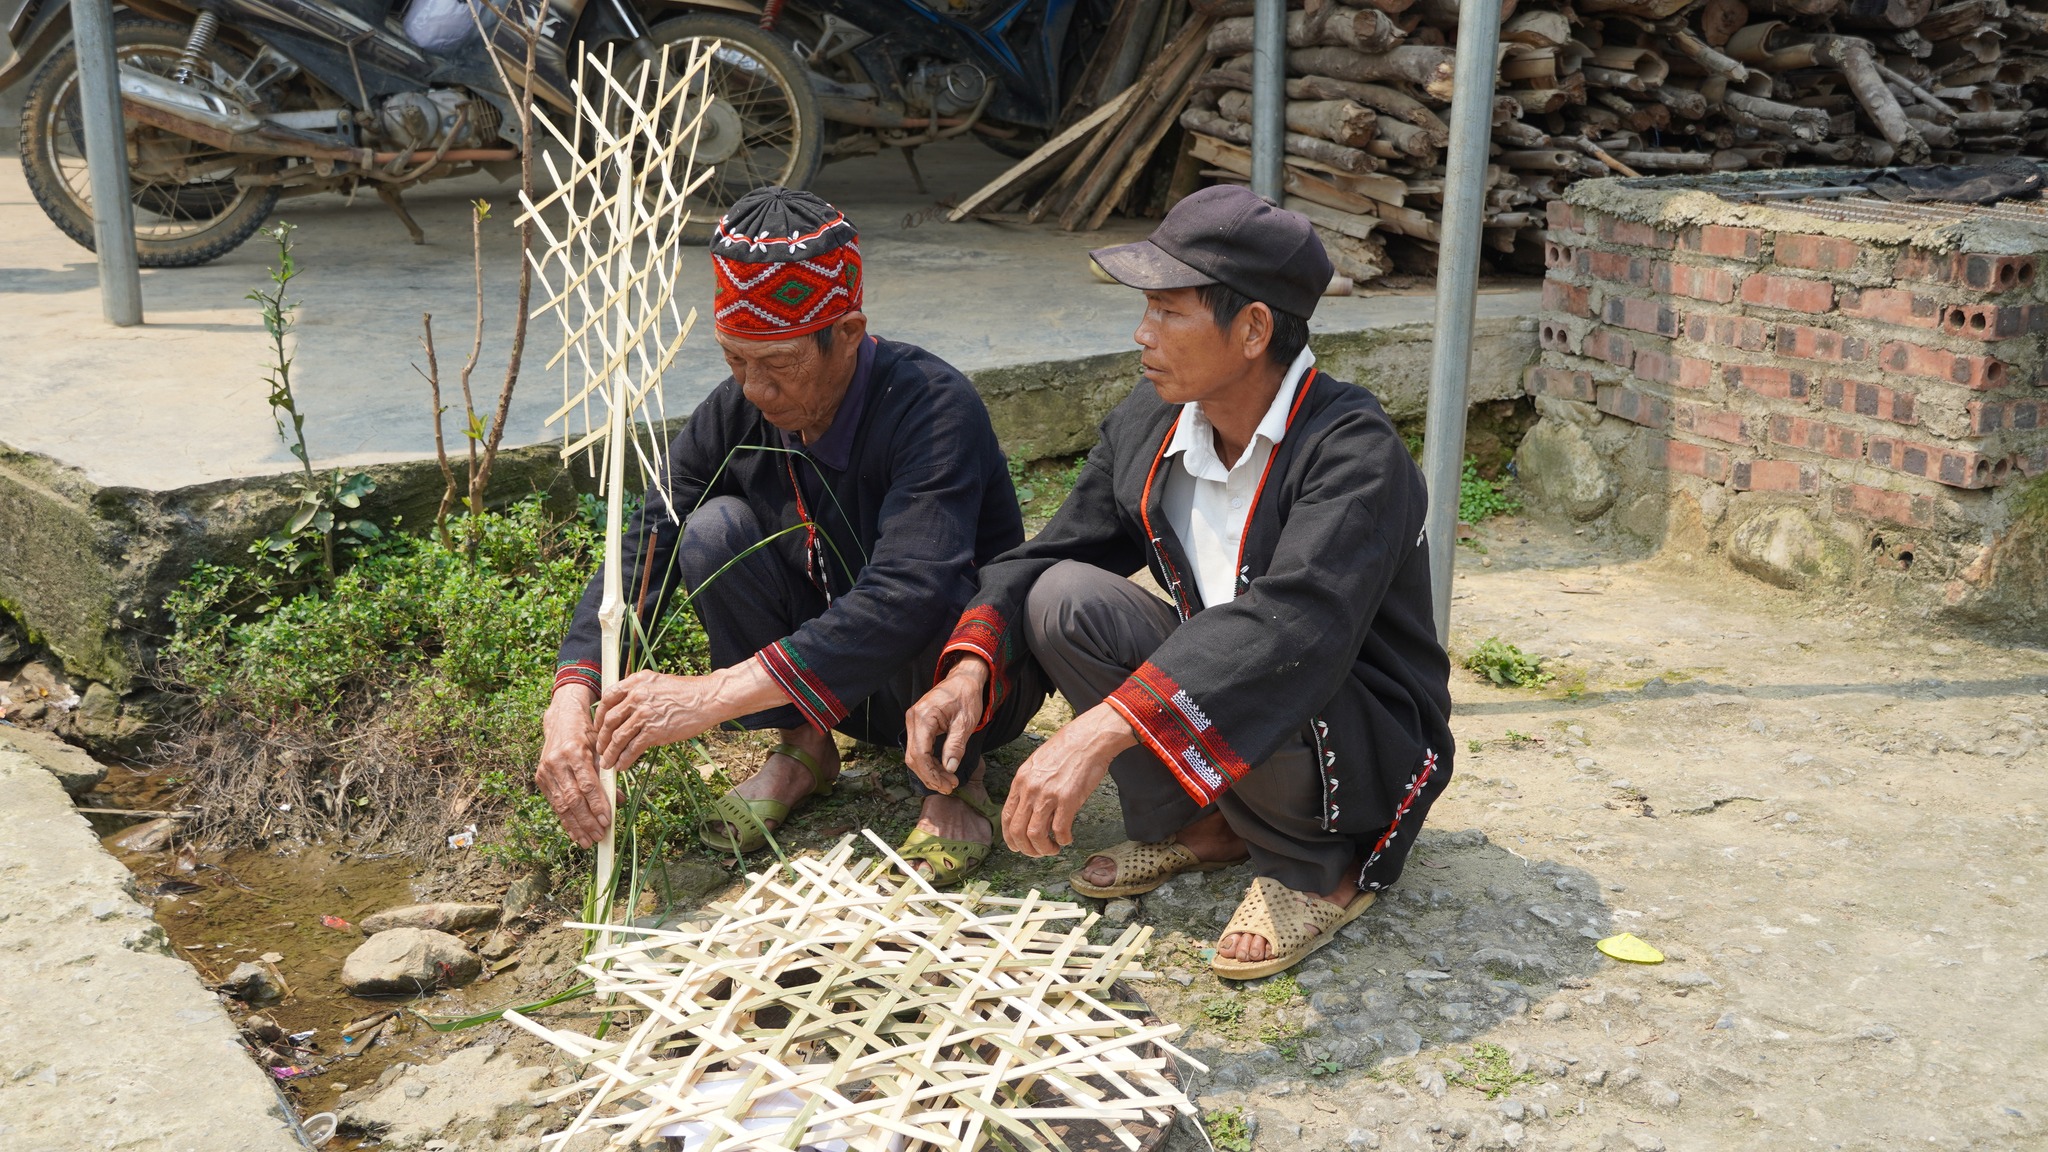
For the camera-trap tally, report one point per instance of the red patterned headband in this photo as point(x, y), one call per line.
point(788, 298)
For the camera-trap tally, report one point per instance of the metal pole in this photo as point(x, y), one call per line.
point(1269, 98)
point(1457, 288)
point(106, 159)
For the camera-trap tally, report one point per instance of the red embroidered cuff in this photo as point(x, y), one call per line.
point(802, 685)
point(1173, 726)
point(579, 672)
point(981, 631)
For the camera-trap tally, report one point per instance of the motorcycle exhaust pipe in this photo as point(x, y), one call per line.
point(216, 112)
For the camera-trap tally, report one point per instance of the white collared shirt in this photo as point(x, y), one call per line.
point(1207, 503)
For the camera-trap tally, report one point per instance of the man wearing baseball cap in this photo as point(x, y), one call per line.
point(825, 510)
point(1288, 702)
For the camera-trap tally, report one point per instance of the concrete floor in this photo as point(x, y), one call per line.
point(181, 400)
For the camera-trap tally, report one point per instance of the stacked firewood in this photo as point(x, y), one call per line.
point(1603, 87)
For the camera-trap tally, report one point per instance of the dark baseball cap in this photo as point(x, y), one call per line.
point(1228, 235)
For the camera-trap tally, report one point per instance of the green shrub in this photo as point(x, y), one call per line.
point(1480, 498)
point(405, 699)
point(1505, 664)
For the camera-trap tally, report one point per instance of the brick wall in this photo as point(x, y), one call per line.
point(1889, 395)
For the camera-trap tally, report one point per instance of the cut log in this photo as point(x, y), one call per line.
point(1538, 30)
point(1429, 69)
point(1884, 13)
point(1667, 161)
point(1683, 102)
point(1338, 121)
point(1719, 19)
point(1715, 62)
point(1378, 97)
point(1359, 29)
point(1237, 160)
point(1858, 65)
point(1308, 147)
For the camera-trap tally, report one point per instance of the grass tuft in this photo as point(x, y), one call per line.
point(1507, 665)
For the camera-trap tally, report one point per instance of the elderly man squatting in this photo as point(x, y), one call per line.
point(1291, 704)
point(873, 466)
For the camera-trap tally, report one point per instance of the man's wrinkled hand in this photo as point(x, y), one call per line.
point(939, 725)
point(1051, 786)
point(567, 772)
point(649, 709)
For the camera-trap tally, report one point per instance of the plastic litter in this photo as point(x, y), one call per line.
point(464, 839)
point(320, 1128)
point(1629, 947)
point(336, 923)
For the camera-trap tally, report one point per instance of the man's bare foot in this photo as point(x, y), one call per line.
point(950, 818)
point(784, 777)
point(1251, 949)
point(1209, 838)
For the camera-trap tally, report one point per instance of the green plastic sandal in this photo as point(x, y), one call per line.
point(751, 817)
point(952, 861)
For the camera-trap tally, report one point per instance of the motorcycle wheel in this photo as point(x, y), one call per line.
point(188, 209)
point(764, 127)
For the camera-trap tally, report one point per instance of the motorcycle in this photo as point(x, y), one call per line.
point(231, 105)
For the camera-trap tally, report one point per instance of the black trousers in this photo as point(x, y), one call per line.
point(767, 596)
point(1089, 630)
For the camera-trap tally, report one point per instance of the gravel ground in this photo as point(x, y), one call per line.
point(1827, 817)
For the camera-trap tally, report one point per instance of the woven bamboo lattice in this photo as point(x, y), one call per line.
point(613, 256)
point(843, 1002)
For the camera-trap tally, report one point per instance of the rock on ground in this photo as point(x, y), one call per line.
point(76, 771)
point(461, 1100)
point(106, 1040)
point(439, 917)
point(408, 961)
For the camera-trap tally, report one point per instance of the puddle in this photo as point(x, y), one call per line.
point(221, 909)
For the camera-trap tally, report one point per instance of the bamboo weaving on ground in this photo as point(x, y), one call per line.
point(844, 999)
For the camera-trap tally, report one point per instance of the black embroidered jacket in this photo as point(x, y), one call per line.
point(1330, 637)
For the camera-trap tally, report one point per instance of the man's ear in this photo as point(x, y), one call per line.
point(851, 328)
point(1257, 330)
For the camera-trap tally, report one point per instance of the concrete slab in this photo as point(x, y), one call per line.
point(126, 454)
point(110, 1041)
point(181, 400)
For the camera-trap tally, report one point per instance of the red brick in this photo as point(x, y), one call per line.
point(1890, 306)
point(1618, 267)
point(1817, 436)
point(1816, 253)
point(1541, 381)
point(1609, 345)
point(1635, 407)
point(1559, 296)
point(1806, 343)
point(1715, 240)
point(1656, 365)
point(1975, 270)
point(2013, 415)
point(1560, 216)
point(1982, 373)
point(1642, 315)
point(1556, 256)
point(1715, 284)
point(1993, 321)
point(1775, 476)
point(1873, 400)
point(1880, 504)
point(1728, 331)
point(1949, 466)
point(1767, 291)
point(1615, 230)
point(1710, 422)
point(1692, 373)
point(1554, 337)
point(1764, 380)
point(1691, 459)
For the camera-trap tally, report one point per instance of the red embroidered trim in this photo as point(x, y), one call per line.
point(1300, 394)
point(1170, 723)
point(580, 672)
point(1416, 784)
point(981, 631)
point(802, 685)
point(1173, 577)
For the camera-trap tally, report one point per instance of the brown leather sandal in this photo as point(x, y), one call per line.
point(1293, 924)
point(1141, 867)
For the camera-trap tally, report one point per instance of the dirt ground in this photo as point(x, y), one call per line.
point(1826, 816)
